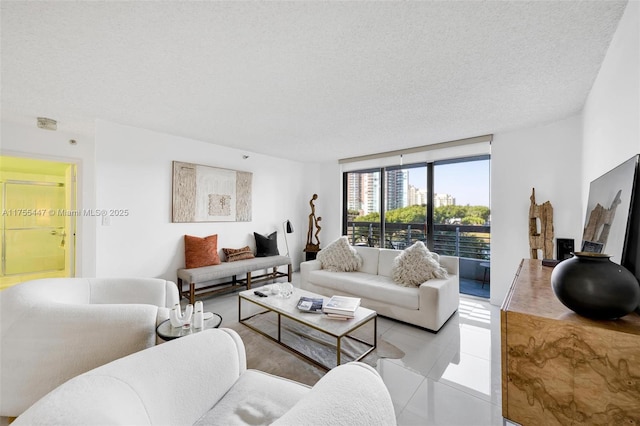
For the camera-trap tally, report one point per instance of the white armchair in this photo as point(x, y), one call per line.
point(54, 329)
point(202, 379)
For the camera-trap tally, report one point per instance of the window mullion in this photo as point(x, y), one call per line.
point(383, 205)
point(430, 227)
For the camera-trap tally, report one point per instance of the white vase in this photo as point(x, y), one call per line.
point(188, 313)
point(198, 316)
point(175, 316)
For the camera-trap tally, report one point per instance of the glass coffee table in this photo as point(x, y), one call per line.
point(168, 332)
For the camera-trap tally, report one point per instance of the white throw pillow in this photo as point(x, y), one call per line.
point(415, 265)
point(339, 256)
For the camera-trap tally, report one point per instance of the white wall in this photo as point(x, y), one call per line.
point(547, 158)
point(329, 202)
point(29, 141)
point(134, 172)
point(611, 117)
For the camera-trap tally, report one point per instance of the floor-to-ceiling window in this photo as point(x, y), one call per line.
point(462, 219)
point(405, 202)
point(443, 203)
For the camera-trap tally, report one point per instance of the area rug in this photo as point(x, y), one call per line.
point(266, 355)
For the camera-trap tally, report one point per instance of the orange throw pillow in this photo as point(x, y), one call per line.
point(201, 251)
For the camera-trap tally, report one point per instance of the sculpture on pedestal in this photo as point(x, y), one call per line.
point(541, 239)
point(314, 223)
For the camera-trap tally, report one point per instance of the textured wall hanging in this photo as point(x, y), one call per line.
point(210, 194)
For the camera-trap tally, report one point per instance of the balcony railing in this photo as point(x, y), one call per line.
point(467, 241)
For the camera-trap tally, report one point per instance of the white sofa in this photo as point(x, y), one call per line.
point(429, 306)
point(54, 329)
point(202, 379)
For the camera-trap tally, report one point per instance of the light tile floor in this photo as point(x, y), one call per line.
point(447, 378)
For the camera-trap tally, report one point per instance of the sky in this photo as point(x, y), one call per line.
point(467, 182)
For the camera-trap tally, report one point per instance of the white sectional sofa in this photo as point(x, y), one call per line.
point(203, 379)
point(429, 306)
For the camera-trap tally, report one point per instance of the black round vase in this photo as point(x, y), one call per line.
point(593, 286)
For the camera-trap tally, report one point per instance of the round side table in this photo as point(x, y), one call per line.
point(167, 332)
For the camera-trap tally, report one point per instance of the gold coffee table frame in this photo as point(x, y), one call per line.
point(337, 329)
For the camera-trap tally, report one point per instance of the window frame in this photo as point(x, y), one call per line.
point(429, 165)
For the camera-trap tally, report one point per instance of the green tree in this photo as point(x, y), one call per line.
point(472, 220)
point(371, 217)
point(410, 214)
point(479, 211)
point(468, 215)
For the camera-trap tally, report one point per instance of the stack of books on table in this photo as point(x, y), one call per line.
point(341, 307)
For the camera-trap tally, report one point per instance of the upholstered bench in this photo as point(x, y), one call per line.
point(195, 276)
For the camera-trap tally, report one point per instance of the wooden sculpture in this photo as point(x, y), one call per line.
point(313, 223)
point(600, 219)
point(542, 239)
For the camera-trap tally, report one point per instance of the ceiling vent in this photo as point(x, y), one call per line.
point(47, 123)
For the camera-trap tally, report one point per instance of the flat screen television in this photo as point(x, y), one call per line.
point(612, 223)
point(631, 250)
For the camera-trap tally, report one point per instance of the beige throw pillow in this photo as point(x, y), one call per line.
point(339, 256)
point(415, 265)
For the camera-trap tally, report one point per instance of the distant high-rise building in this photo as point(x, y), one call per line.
point(363, 192)
point(370, 192)
point(440, 200)
point(397, 189)
point(417, 196)
point(354, 199)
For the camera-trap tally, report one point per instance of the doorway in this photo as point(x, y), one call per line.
point(38, 219)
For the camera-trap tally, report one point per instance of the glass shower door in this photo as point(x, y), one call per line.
point(34, 234)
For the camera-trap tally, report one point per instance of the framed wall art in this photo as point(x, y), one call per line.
point(210, 194)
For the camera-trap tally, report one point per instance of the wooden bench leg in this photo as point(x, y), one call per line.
point(192, 293)
point(180, 293)
point(248, 280)
point(289, 271)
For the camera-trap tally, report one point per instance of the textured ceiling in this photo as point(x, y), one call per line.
point(310, 81)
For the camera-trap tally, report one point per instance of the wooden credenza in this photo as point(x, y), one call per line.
point(559, 368)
